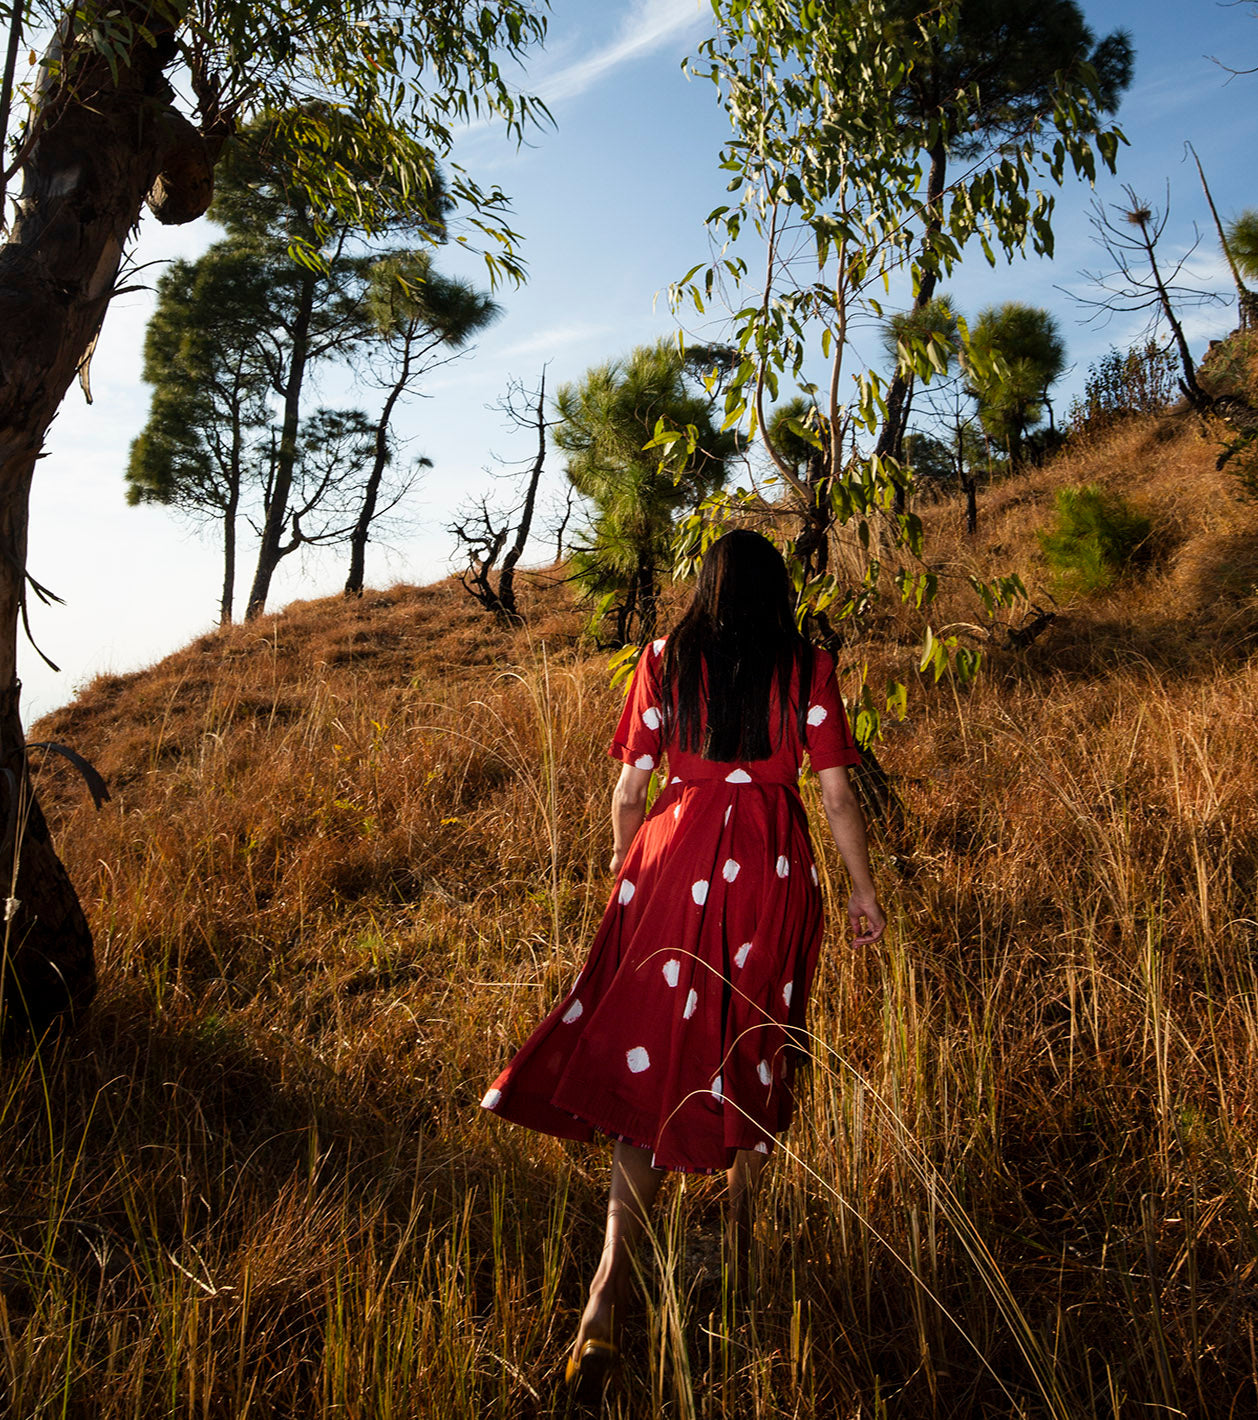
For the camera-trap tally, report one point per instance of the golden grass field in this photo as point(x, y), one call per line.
point(355, 850)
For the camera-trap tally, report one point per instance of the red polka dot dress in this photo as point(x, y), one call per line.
point(675, 1034)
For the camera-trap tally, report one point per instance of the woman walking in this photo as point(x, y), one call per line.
point(677, 1039)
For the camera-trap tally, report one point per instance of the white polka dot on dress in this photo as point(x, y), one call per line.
point(783, 866)
point(766, 1075)
point(652, 718)
point(573, 1013)
point(741, 955)
point(692, 1000)
point(676, 812)
point(657, 645)
point(716, 1089)
point(699, 891)
point(637, 1059)
point(788, 991)
point(644, 761)
point(762, 1147)
point(491, 1099)
point(816, 714)
point(626, 890)
point(728, 811)
point(731, 869)
point(813, 871)
point(738, 776)
point(672, 971)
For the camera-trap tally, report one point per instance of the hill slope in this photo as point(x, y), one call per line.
point(356, 849)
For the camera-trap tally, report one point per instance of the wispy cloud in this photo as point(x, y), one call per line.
point(554, 338)
point(650, 25)
point(552, 342)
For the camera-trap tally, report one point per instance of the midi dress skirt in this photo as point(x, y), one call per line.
point(681, 1031)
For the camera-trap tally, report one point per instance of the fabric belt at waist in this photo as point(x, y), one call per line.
point(742, 779)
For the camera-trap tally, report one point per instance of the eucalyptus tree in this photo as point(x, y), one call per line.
point(130, 106)
point(832, 166)
point(605, 422)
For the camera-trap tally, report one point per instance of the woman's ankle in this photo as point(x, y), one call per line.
point(604, 1308)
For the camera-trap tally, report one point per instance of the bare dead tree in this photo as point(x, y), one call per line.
point(1253, 11)
point(483, 533)
point(565, 517)
point(423, 321)
point(1246, 299)
point(1137, 282)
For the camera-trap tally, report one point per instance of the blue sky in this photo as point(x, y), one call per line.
point(611, 203)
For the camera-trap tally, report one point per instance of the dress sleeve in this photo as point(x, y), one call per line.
point(827, 733)
point(639, 739)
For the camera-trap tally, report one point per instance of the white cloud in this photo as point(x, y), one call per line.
point(651, 25)
point(556, 337)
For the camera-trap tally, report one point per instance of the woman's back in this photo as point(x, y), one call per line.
point(647, 732)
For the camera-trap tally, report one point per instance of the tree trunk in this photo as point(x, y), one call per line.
point(105, 142)
point(812, 546)
point(1195, 395)
point(563, 526)
point(270, 549)
point(506, 580)
point(970, 484)
point(648, 596)
point(226, 605)
point(49, 972)
point(1247, 300)
point(371, 494)
point(899, 392)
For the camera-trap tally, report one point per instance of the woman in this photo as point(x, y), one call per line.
point(676, 1038)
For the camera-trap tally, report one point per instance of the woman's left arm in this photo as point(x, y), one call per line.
point(628, 810)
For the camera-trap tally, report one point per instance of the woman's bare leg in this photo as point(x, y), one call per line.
point(743, 1178)
point(633, 1189)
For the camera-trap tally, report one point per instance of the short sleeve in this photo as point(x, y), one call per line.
point(639, 737)
point(828, 736)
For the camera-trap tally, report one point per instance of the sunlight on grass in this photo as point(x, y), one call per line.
point(337, 886)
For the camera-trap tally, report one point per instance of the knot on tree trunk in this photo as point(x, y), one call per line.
point(185, 179)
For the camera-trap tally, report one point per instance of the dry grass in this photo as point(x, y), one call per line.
point(353, 854)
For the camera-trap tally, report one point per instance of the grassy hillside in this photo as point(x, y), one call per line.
point(354, 851)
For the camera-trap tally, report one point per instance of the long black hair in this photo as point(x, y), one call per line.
point(740, 629)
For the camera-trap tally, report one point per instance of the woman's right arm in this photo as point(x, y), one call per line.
point(847, 824)
point(628, 810)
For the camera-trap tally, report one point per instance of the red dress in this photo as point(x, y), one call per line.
point(676, 1034)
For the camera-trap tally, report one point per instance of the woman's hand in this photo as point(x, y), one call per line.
point(618, 860)
point(864, 908)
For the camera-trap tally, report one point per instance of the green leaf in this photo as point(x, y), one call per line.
point(898, 699)
point(929, 650)
point(623, 663)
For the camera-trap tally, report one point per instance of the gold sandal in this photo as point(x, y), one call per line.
point(588, 1371)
